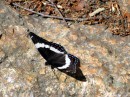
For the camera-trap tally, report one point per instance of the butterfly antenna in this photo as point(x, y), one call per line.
point(27, 32)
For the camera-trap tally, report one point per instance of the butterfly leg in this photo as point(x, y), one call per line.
point(52, 67)
point(46, 63)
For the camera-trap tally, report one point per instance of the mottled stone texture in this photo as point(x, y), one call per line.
point(105, 59)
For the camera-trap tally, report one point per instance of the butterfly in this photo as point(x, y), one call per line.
point(57, 57)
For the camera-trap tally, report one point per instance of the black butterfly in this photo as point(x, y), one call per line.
point(56, 56)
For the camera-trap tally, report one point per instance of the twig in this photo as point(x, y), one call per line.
point(123, 20)
point(96, 11)
point(54, 17)
point(58, 11)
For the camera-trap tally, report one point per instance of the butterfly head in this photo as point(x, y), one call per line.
point(36, 39)
point(31, 34)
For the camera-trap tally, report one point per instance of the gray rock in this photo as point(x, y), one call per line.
point(105, 59)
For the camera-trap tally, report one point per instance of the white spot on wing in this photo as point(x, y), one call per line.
point(67, 63)
point(31, 37)
point(56, 50)
point(47, 46)
point(42, 45)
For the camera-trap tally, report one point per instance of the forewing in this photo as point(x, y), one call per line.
point(58, 47)
point(37, 39)
point(41, 44)
point(52, 52)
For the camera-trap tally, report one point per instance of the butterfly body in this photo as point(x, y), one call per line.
point(56, 56)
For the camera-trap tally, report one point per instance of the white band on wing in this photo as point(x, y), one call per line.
point(67, 63)
point(42, 45)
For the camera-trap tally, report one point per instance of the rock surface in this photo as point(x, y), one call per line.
point(105, 59)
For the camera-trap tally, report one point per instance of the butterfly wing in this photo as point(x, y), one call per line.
point(73, 69)
point(75, 63)
point(78, 75)
point(69, 63)
point(50, 51)
point(58, 47)
point(37, 39)
point(57, 60)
